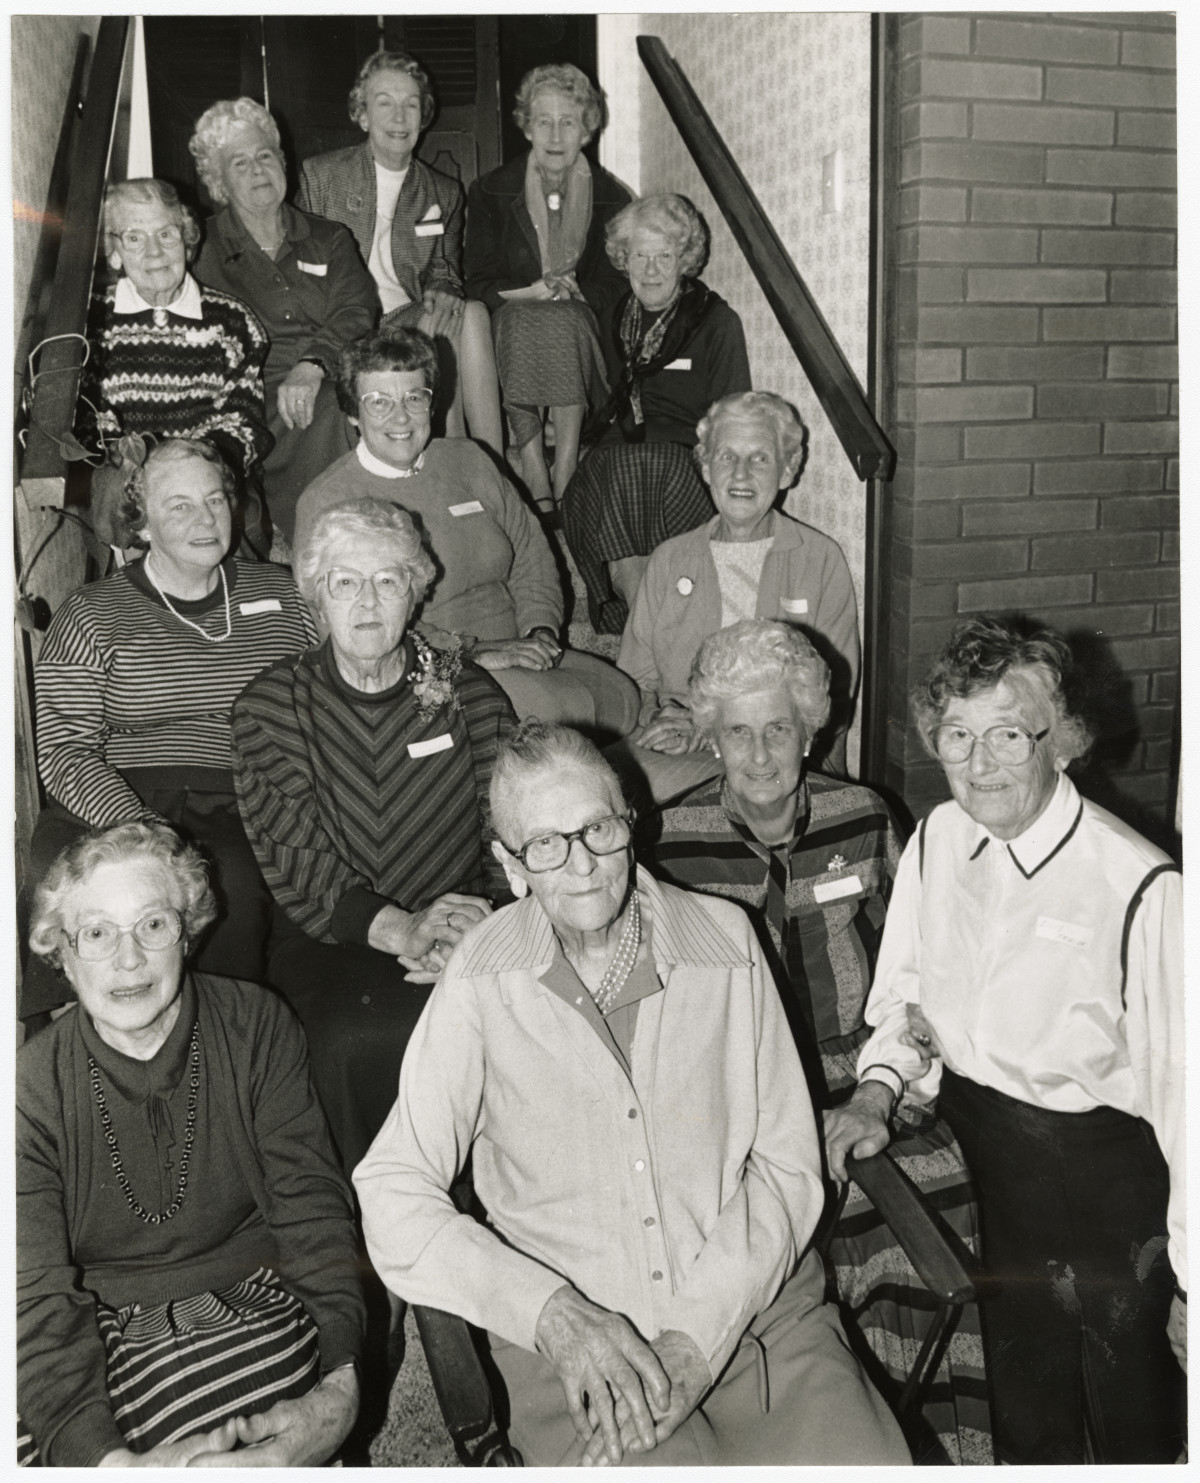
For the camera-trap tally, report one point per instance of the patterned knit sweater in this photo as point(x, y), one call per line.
point(155, 372)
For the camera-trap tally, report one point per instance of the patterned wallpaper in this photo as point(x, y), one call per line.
point(784, 90)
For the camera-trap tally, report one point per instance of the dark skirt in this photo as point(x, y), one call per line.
point(547, 355)
point(626, 500)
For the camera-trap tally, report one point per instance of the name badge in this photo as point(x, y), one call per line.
point(263, 605)
point(684, 363)
point(434, 744)
point(848, 885)
point(1069, 932)
point(430, 229)
point(468, 507)
point(318, 270)
point(796, 605)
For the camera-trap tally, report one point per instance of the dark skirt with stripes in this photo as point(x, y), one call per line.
point(626, 500)
point(186, 1366)
point(547, 355)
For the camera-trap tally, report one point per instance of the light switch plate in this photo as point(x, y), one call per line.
point(833, 182)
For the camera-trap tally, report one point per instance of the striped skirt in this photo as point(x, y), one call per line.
point(547, 355)
point(626, 500)
point(880, 1293)
point(188, 1365)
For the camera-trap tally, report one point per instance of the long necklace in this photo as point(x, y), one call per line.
point(212, 638)
point(189, 1135)
point(621, 966)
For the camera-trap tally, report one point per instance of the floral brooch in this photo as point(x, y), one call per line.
point(433, 684)
point(685, 586)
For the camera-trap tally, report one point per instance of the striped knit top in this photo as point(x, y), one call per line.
point(352, 800)
point(121, 682)
point(155, 372)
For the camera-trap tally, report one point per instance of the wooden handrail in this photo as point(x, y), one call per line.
point(59, 364)
point(837, 389)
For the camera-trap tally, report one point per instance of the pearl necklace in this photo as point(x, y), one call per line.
point(621, 966)
point(212, 638)
point(189, 1135)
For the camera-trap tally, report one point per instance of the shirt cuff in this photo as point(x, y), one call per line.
point(341, 1343)
point(354, 913)
point(84, 1438)
point(539, 615)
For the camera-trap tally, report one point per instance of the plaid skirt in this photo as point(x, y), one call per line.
point(188, 1365)
point(547, 355)
point(626, 500)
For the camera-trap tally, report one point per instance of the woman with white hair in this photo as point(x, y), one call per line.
point(304, 280)
point(362, 771)
point(673, 347)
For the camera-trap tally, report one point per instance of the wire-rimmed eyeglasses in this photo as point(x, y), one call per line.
point(378, 405)
point(1009, 745)
point(95, 941)
point(133, 239)
point(551, 851)
point(392, 584)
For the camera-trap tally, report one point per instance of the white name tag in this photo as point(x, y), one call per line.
point(318, 270)
point(849, 885)
point(441, 743)
point(263, 605)
point(1068, 932)
point(797, 605)
point(468, 507)
point(684, 363)
point(430, 229)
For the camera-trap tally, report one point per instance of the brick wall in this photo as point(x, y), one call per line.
point(1036, 408)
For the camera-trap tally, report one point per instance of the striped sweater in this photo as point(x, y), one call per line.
point(161, 374)
point(121, 682)
point(352, 801)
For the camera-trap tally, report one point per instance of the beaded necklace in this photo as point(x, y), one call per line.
point(212, 638)
point(621, 966)
point(189, 1135)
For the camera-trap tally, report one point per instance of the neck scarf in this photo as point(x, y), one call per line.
point(560, 242)
point(645, 350)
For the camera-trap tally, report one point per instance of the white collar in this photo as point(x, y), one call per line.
point(127, 300)
point(1048, 832)
point(375, 465)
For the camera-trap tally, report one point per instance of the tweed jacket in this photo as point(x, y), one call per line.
point(502, 247)
point(340, 186)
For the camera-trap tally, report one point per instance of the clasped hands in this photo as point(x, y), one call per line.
point(539, 649)
point(623, 1394)
point(422, 941)
point(671, 730)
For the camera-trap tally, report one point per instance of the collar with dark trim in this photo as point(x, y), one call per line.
point(1049, 832)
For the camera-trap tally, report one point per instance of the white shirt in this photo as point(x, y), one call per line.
point(1015, 952)
point(388, 185)
point(127, 300)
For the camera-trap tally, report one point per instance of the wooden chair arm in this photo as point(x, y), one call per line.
point(459, 1379)
point(933, 1251)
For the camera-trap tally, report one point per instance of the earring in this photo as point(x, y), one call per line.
point(520, 886)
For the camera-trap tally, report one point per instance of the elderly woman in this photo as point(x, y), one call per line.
point(497, 585)
point(304, 280)
point(673, 348)
point(135, 682)
point(362, 770)
point(185, 1239)
point(750, 561)
point(812, 860)
point(1034, 951)
point(168, 358)
point(575, 1045)
point(535, 256)
point(407, 219)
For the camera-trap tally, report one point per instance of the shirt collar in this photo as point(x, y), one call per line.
point(375, 465)
point(1044, 837)
point(127, 300)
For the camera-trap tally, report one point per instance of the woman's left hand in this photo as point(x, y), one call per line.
point(920, 1034)
point(538, 651)
point(442, 312)
point(297, 397)
point(671, 731)
point(294, 1434)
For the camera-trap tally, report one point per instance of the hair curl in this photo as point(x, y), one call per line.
point(671, 216)
point(391, 61)
point(214, 129)
point(790, 433)
point(989, 648)
point(758, 654)
point(561, 77)
point(385, 524)
point(132, 510)
point(144, 190)
point(385, 349)
point(117, 845)
point(542, 748)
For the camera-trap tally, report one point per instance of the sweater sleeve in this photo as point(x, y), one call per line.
point(533, 577)
point(636, 656)
point(728, 359)
point(238, 424)
point(490, 722)
point(487, 274)
point(444, 268)
point(353, 303)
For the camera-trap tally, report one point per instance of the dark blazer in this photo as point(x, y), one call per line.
point(502, 247)
point(340, 185)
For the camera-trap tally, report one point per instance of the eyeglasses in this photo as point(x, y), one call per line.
point(551, 851)
point(157, 930)
point(135, 240)
point(378, 405)
point(391, 585)
point(663, 261)
point(1008, 745)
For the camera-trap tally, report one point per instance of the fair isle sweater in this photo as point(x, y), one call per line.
point(123, 683)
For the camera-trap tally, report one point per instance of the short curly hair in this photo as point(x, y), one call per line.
point(673, 217)
point(215, 127)
point(561, 77)
point(790, 433)
point(386, 349)
point(132, 510)
point(144, 190)
point(120, 844)
point(391, 61)
point(384, 523)
point(758, 654)
point(989, 648)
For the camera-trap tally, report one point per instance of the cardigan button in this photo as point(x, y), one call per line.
point(640, 1165)
point(649, 1221)
point(632, 1112)
point(656, 1276)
